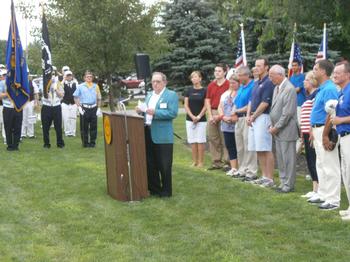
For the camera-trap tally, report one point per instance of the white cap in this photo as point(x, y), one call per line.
point(68, 72)
point(65, 68)
point(2, 66)
point(3, 72)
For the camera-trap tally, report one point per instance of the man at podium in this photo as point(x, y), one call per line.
point(160, 108)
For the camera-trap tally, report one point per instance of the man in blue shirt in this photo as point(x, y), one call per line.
point(247, 159)
point(297, 79)
point(327, 161)
point(342, 122)
point(258, 119)
point(87, 97)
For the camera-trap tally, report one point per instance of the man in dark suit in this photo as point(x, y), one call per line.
point(284, 127)
point(161, 109)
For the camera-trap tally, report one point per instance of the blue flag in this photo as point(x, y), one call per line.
point(17, 74)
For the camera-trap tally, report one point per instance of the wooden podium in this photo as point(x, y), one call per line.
point(125, 154)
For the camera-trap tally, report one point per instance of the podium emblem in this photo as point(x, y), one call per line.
point(107, 129)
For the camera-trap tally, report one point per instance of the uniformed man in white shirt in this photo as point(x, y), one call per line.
point(69, 108)
point(29, 117)
point(51, 112)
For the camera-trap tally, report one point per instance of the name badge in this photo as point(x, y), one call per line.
point(163, 106)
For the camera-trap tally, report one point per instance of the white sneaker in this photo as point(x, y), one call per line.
point(231, 172)
point(344, 213)
point(346, 218)
point(308, 178)
point(309, 194)
point(314, 197)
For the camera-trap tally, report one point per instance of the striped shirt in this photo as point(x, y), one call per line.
point(306, 109)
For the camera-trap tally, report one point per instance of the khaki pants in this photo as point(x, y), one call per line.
point(328, 169)
point(345, 163)
point(247, 160)
point(217, 147)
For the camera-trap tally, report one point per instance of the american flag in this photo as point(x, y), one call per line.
point(322, 51)
point(295, 54)
point(241, 53)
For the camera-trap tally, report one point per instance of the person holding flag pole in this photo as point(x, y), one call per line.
point(52, 93)
point(15, 94)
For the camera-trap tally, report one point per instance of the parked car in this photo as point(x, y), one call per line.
point(133, 85)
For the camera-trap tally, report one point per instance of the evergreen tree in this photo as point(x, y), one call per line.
point(197, 38)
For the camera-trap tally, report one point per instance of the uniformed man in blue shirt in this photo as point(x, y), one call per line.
point(87, 97)
point(342, 122)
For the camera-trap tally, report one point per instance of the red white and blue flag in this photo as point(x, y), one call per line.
point(295, 55)
point(241, 53)
point(322, 51)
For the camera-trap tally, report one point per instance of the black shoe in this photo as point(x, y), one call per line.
point(12, 148)
point(47, 145)
point(60, 146)
point(92, 145)
point(153, 193)
point(165, 194)
point(86, 145)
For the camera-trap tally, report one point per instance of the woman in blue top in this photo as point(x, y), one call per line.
point(228, 120)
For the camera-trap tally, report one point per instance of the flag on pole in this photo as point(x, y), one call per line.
point(295, 54)
point(46, 57)
point(17, 71)
point(322, 51)
point(241, 52)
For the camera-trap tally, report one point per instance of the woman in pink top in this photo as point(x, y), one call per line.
point(311, 85)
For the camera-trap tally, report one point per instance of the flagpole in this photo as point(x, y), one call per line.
point(325, 41)
point(243, 46)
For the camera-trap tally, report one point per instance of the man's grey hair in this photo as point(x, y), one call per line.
point(244, 70)
point(161, 74)
point(278, 70)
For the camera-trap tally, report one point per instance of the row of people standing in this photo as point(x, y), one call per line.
point(268, 113)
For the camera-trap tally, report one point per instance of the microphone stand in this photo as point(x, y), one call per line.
point(121, 107)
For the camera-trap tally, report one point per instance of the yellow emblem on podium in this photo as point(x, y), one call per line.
point(107, 129)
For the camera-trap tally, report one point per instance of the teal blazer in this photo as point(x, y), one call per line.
point(162, 122)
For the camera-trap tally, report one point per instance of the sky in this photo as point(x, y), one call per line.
point(24, 26)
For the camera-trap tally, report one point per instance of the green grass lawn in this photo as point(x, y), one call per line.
point(54, 207)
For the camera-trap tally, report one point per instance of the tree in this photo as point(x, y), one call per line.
point(270, 23)
point(34, 58)
point(198, 41)
point(101, 35)
point(3, 51)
